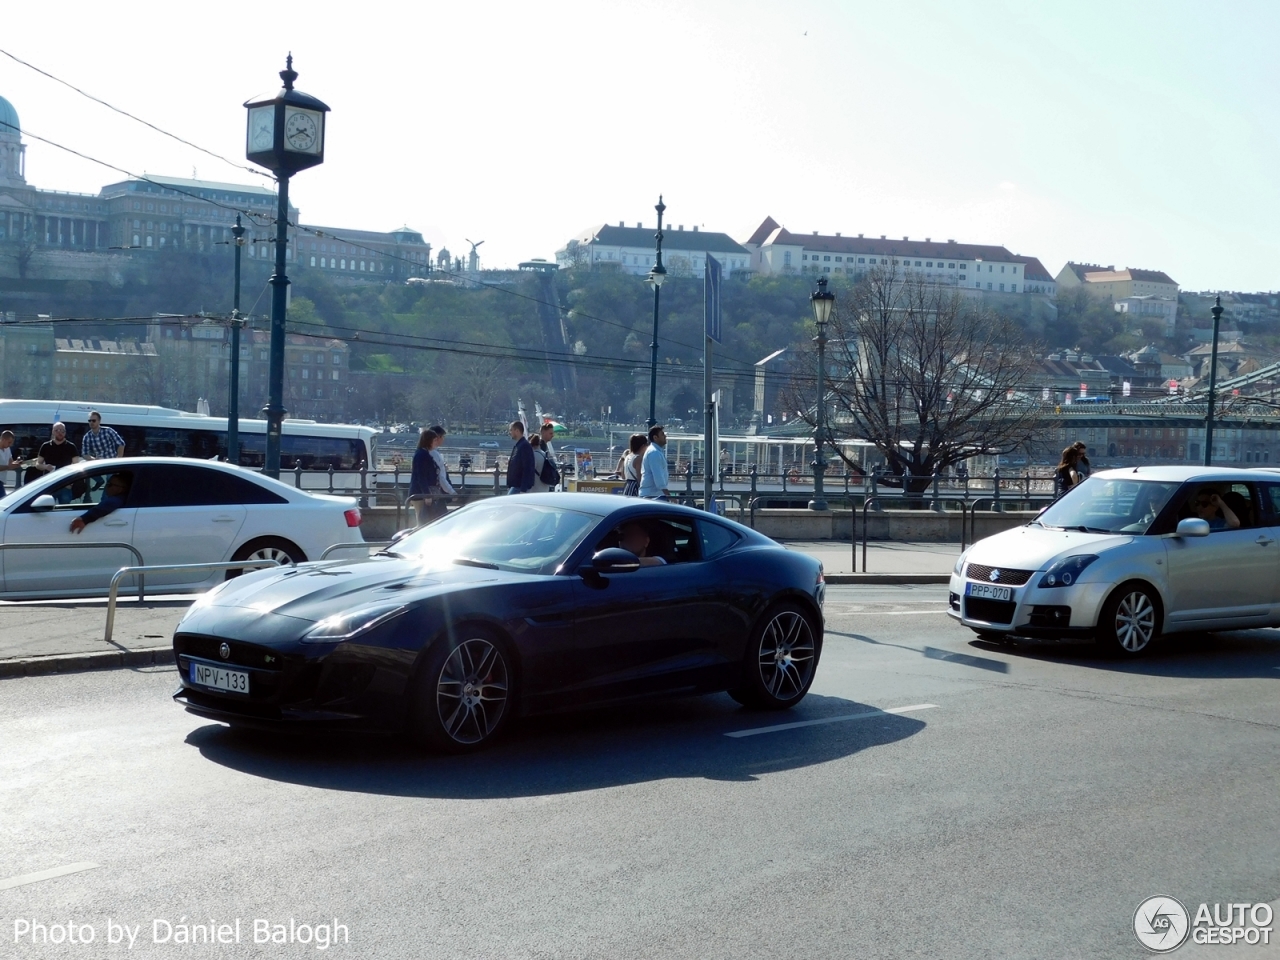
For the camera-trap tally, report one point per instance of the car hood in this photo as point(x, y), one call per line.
point(1034, 548)
point(313, 591)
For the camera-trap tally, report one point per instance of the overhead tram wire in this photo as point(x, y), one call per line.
point(126, 113)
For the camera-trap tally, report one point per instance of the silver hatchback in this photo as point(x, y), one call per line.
point(1128, 555)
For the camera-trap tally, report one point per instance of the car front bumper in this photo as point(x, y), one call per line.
point(1033, 613)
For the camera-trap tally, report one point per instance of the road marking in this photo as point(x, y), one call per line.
point(46, 874)
point(813, 723)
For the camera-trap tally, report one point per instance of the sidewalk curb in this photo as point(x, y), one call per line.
point(885, 579)
point(77, 662)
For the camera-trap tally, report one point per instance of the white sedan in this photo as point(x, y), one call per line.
point(172, 511)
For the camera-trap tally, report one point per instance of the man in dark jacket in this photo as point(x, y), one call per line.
point(113, 498)
point(520, 465)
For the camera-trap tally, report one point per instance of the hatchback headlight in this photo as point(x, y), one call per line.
point(345, 626)
point(1067, 571)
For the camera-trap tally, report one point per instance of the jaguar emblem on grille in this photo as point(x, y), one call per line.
point(224, 650)
point(995, 576)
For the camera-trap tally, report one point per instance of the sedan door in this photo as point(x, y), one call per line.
point(186, 514)
point(67, 571)
point(1230, 577)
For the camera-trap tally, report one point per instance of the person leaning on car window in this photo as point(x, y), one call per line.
point(1207, 505)
point(113, 498)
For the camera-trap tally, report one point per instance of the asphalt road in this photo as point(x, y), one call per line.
point(1023, 806)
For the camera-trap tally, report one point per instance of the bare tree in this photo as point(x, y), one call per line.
point(926, 375)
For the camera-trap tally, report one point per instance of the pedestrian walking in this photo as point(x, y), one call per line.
point(100, 442)
point(442, 487)
point(425, 476)
point(1083, 467)
point(654, 479)
point(633, 464)
point(547, 433)
point(520, 472)
point(1066, 476)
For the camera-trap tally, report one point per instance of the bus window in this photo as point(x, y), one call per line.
point(319, 453)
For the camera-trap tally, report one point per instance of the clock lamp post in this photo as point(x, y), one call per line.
point(285, 134)
point(822, 301)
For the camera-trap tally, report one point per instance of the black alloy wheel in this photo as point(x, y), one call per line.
point(781, 659)
point(464, 697)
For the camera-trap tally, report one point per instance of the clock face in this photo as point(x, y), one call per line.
point(262, 129)
point(302, 131)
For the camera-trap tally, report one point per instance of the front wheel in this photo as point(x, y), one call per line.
point(464, 696)
point(781, 659)
point(1130, 621)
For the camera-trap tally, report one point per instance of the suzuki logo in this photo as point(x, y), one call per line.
point(224, 651)
point(995, 576)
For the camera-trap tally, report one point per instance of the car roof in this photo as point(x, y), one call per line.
point(1179, 474)
point(124, 463)
point(611, 504)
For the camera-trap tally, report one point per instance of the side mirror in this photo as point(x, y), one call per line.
point(43, 503)
point(1193, 527)
point(615, 560)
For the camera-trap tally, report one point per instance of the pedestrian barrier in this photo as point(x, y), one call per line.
point(79, 546)
point(141, 571)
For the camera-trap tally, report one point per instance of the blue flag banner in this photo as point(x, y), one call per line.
point(711, 298)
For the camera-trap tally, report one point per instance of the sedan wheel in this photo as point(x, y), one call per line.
point(780, 661)
point(268, 548)
point(1131, 620)
point(465, 699)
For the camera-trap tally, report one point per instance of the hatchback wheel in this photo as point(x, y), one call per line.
point(1130, 620)
point(464, 697)
point(781, 659)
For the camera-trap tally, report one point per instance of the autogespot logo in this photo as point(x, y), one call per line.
point(1161, 924)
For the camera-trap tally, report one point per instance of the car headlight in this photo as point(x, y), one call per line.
point(959, 567)
point(345, 626)
point(1067, 570)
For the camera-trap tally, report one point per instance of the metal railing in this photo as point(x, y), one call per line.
point(141, 571)
point(335, 547)
point(80, 546)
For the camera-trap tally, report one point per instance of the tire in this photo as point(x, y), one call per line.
point(465, 692)
point(268, 548)
point(781, 659)
point(1130, 620)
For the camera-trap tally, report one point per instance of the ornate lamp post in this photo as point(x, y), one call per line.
point(822, 300)
point(285, 134)
point(1213, 383)
point(656, 276)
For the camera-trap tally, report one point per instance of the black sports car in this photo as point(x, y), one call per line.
point(509, 606)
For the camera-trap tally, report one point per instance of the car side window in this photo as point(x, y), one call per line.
point(1271, 502)
point(87, 489)
point(671, 539)
point(715, 539)
point(1221, 503)
point(177, 485)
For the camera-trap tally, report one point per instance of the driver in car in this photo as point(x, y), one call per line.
point(1207, 505)
point(113, 498)
point(635, 537)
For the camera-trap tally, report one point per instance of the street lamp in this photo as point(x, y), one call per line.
point(233, 406)
point(656, 276)
point(285, 134)
point(822, 300)
point(1216, 310)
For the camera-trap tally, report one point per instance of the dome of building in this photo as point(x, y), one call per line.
point(8, 117)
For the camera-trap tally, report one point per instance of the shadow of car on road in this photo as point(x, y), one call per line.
point(1238, 654)
point(567, 753)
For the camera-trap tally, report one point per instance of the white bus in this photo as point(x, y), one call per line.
point(164, 432)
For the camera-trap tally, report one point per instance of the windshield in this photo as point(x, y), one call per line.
point(524, 537)
point(1101, 505)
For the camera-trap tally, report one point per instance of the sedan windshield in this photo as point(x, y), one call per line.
point(1109, 506)
point(501, 535)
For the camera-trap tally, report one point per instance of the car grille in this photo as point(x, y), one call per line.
point(1012, 578)
point(242, 654)
point(992, 611)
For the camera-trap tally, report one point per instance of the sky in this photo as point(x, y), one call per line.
point(1139, 134)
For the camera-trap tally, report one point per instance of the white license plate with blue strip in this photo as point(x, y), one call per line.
point(219, 678)
point(988, 591)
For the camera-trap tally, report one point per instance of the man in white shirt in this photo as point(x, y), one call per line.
point(6, 457)
point(653, 468)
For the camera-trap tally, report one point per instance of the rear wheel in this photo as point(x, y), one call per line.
point(464, 696)
point(1130, 620)
point(284, 552)
point(781, 659)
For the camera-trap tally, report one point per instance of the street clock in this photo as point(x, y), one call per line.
point(285, 134)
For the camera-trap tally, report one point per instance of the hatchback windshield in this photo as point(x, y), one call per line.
point(1109, 506)
point(527, 537)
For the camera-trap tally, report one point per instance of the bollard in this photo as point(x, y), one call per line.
point(462, 469)
point(688, 482)
point(364, 487)
point(496, 477)
point(995, 491)
point(753, 481)
point(297, 474)
point(937, 504)
point(784, 478)
point(875, 496)
point(331, 478)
